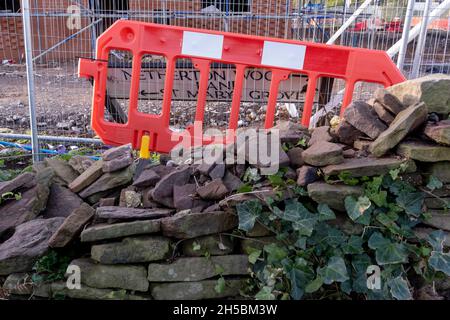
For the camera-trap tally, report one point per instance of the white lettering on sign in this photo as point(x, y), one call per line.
point(220, 86)
point(283, 55)
point(202, 45)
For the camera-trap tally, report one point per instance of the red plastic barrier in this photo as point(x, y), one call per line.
point(281, 57)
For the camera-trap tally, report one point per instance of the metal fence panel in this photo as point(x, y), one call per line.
point(63, 31)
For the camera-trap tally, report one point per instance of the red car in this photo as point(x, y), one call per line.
point(377, 24)
point(394, 26)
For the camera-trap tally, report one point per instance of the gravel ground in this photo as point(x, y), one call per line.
point(63, 103)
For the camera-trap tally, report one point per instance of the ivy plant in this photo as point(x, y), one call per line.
point(314, 256)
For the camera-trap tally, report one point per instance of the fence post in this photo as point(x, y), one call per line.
point(30, 78)
point(94, 27)
point(421, 41)
point(405, 34)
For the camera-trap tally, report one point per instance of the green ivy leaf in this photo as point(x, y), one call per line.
point(276, 180)
point(37, 278)
point(314, 285)
point(275, 253)
point(301, 143)
point(394, 209)
point(219, 269)
point(220, 285)
point(375, 184)
point(377, 241)
point(356, 208)
point(245, 188)
point(253, 256)
point(399, 289)
point(372, 191)
point(251, 175)
point(325, 213)
point(300, 262)
point(424, 251)
point(347, 178)
point(196, 246)
point(398, 186)
point(327, 236)
point(394, 173)
point(265, 294)
point(382, 294)
point(387, 252)
point(440, 262)
point(436, 239)
point(366, 217)
point(380, 198)
point(434, 183)
point(388, 220)
point(359, 283)
point(301, 243)
point(334, 271)
point(292, 212)
point(248, 211)
point(413, 249)
point(360, 263)
point(411, 202)
point(299, 279)
point(385, 219)
point(354, 245)
point(346, 286)
point(303, 220)
point(300, 191)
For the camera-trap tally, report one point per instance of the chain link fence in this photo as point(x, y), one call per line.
point(63, 31)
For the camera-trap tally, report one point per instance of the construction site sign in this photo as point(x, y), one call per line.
point(220, 85)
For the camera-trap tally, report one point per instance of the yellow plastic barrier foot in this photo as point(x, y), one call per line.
point(144, 152)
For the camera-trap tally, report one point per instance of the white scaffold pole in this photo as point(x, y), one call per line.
point(414, 32)
point(349, 21)
point(405, 34)
point(30, 78)
point(421, 41)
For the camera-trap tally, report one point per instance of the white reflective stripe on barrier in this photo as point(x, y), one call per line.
point(283, 55)
point(202, 45)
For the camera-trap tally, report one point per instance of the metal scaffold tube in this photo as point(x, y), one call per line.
point(421, 41)
point(405, 34)
point(414, 32)
point(349, 21)
point(18, 136)
point(30, 78)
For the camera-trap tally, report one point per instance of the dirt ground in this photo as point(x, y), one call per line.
point(63, 103)
point(62, 100)
point(63, 107)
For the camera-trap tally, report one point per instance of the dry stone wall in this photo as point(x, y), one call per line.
point(170, 231)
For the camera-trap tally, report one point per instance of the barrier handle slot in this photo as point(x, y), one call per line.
point(309, 99)
point(348, 95)
point(277, 77)
point(168, 87)
point(203, 67)
point(237, 96)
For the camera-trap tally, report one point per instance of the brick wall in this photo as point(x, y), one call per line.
point(252, 22)
point(49, 31)
point(11, 39)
